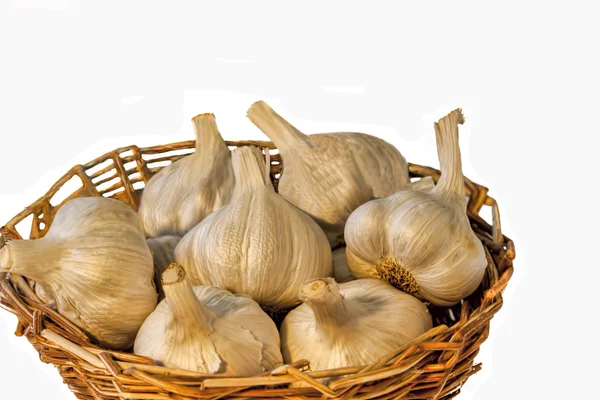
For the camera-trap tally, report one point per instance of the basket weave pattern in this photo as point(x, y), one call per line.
point(433, 366)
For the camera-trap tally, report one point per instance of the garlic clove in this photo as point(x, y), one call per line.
point(258, 244)
point(420, 239)
point(330, 327)
point(182, 194)
point(205, 329)
point(331, 174)
point(176, 333)
point(95, 265)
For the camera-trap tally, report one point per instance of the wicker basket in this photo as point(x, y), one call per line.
point(433, 366)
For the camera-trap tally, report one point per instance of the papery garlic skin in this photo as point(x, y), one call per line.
point(182, 194)
point(341, 271)
point(96, 266)
point(350, 324)
point(163, 254)
point(209, 330)
point(258, 244)
point(329, 175)
point(44, 294)
point(420, 239)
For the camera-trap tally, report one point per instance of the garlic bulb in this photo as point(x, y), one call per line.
point(209, 330)
point(341, 272)
point(329, 175)
point(185, 192)
point(258, 244)
point(96, 266)
point(350, 324)
point(420, 239)
point(163, 254)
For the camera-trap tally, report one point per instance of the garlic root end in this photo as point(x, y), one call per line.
point(391, 271)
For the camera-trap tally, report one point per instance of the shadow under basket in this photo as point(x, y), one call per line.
point(433, 366)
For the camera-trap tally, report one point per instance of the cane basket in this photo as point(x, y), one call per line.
point(433, 366)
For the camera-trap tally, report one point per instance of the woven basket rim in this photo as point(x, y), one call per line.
point(434, 365)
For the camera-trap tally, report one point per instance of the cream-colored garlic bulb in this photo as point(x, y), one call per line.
point(185, 192)
point(95, 265)
point(258, 244)
point(341, 272)
point(350, 324)
point(209, 330)
point(421, 240)
point(163, 253)
point(329, 175)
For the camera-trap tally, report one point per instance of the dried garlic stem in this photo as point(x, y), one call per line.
point(281, 132)
point(446, 132)
point(208, 137)
point(322, 295)
point(23, 257)
point(249, 170)
point(183, 303)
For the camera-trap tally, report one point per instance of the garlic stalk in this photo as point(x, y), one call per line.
point(209, 330)
point(341, 271)
point(420, 239)
point(258, 244)
point(350, 324)
point(95, 266)
point(329, 175)
point(182, 194)
point(163, 254)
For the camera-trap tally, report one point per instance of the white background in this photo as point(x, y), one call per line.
point(79, 78)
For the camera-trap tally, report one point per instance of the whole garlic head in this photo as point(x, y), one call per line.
point(94, 265)
point(258, 244)
point(420, 239)
point(209, 330)
point(182, 194)
point(350, 324)
point(329, 175)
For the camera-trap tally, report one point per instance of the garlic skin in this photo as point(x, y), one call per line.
point(182, 194)
point(420, 239)
point(95, 265)
point(341, 271)
point(350, 324)
point(163, 254)
point(209, 330)
point(258, 244)
point(45, 295)
point(329, 175)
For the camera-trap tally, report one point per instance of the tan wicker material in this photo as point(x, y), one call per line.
point(434, 366)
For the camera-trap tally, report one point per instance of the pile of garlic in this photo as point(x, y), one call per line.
point(348, 248)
